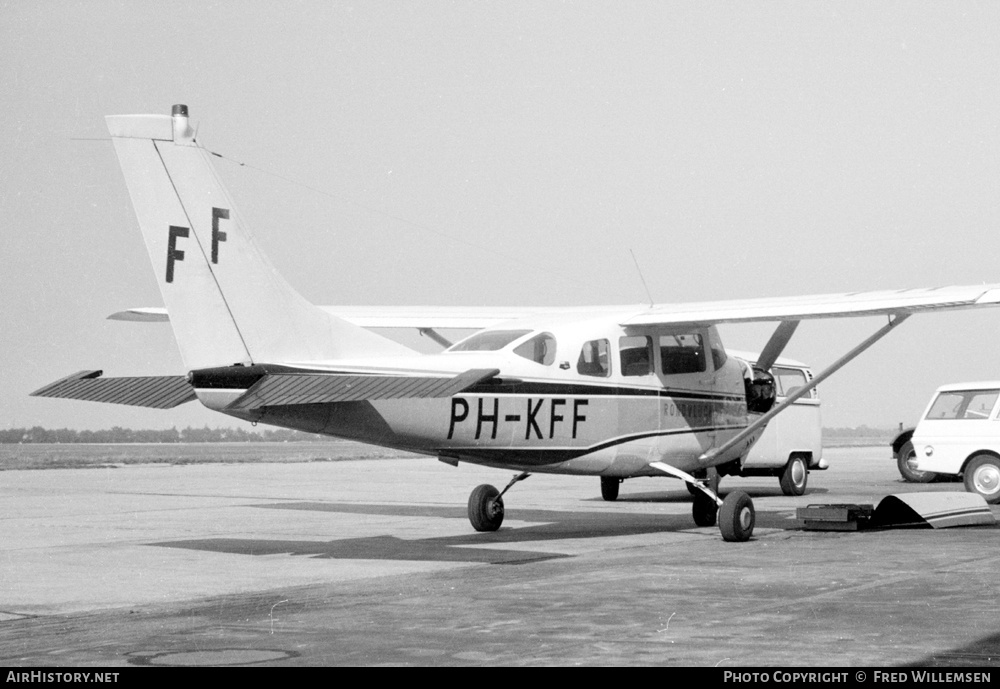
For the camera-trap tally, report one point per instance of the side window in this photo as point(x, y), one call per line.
point(541, 349)
point(789, 380)
point(963, 404)
point(683, 353)
point(595, 359)
point(981, 405)
point(636, 354)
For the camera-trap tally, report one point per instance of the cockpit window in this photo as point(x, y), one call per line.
point(541, 349)
point(488, 341)
point(595, 359)
point(682, 353)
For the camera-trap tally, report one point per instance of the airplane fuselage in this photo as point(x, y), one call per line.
point(587, 399)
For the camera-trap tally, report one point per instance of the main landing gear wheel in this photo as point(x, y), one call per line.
point(609, 488)
point(485, 508)
point(737, 517)
point(795, 476)
point(704, 509)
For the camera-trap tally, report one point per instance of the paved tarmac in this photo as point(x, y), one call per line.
point(375, 563)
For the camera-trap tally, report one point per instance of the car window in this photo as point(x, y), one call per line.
point(963, 404)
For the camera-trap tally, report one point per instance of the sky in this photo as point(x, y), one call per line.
point(506, 153)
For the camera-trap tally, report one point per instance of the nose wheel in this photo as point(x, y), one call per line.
point(485, 508)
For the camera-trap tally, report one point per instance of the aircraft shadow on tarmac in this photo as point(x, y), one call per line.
point(684, 496)
point(976, 655)
point(550, 525)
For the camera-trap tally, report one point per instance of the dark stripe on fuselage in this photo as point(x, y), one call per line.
point(535, 456)
point(532, 388)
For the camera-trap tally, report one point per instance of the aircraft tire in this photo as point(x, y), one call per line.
point(737, 517)
point(609, 488)
point(795, 476)
point(982, 476)
point(485, 508)
point(903, 458)
point(704, 510)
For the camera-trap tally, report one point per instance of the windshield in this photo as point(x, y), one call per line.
point(488, 341)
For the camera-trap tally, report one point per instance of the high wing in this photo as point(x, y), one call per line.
point(887, 302)
point(420, 317)
point(892, 302)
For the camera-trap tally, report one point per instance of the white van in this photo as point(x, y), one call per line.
point(792, 444)
point(959, 434)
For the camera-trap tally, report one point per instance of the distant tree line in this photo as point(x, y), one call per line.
point(37, 434)
point(860, 432)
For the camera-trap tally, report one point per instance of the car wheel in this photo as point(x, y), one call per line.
point(795, 476)
point(982, 476)
point(905, 460)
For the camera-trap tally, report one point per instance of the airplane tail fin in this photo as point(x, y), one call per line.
point(227, 303)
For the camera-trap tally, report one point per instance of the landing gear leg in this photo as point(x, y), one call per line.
point(486, 505)
point(736, 517)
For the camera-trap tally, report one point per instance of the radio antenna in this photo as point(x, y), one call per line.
point(639, 270)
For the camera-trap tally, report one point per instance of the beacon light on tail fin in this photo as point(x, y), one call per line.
point(614, 392)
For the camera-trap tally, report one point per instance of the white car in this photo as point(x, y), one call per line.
point(959, 435)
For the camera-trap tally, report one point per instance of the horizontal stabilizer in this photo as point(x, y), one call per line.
point(283, 389)
point(157, 392)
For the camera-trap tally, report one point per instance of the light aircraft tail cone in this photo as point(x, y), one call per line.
point(227, 303)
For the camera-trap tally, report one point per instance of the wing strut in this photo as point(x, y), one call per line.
point(434, 335)
point(805, 389)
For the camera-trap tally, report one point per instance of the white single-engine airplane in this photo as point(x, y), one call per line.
point(615, 392)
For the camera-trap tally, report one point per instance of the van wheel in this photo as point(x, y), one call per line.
point(905, 462)
point(982, 476)
point(795, 476)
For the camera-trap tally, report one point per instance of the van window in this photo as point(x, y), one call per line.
point(963, 404)
point(595, 359)
point(541, 349)
point(683, 353)
point(636, 354)
point(789, 380)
